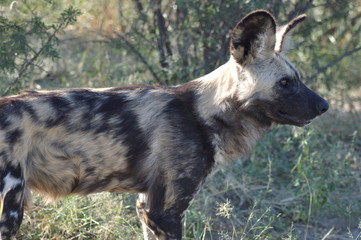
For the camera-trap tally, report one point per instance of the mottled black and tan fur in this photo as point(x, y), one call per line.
point(160, 142)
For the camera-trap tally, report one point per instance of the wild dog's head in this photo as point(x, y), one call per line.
point(277, 94)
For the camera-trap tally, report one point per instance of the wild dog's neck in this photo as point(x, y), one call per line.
point(214, 90)
point(222, 95)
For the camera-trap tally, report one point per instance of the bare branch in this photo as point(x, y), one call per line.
point(139, 55)
point(140, 9)
point(300, 8)
point(324, 68)
point(357, 32)
point(163, 42)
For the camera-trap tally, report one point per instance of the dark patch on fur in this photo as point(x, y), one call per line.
point(4, 157)
point(84, 97)
point(194, 134)
point(181, 114)
point(221, 122)
point(112, 105)
point(157, 196)
point(61, 108)
point(134, 139)
point(258, 112)
point(127, 128)
point(4, 122)
point(15, 108)
point(13, 136)
point(30, 110)
point(88, 100)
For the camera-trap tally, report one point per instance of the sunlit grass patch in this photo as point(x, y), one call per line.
point(97, 216)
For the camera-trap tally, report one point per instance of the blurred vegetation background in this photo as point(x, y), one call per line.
point(298, 183)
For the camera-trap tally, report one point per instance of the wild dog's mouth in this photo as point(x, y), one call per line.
point(285, 118)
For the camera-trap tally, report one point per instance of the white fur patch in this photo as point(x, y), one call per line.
point(10, 182)
point(14, 214)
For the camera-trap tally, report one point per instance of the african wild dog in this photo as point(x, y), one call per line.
point(161, 142)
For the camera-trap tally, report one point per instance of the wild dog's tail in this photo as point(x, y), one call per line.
point(12, 195)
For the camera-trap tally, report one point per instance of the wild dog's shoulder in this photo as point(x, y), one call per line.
point(186, 92)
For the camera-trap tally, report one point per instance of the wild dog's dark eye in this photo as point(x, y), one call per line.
point(283, 82)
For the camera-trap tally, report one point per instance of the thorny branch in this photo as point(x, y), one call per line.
point(22, 71)
point(31, 61)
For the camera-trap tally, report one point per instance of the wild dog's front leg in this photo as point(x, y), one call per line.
point(159, 225)
point(12, 202)
point(142, 214)
point(161, 210)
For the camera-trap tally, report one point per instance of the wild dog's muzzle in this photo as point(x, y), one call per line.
point(298, 108)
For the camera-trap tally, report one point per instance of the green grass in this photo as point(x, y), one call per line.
point(97, 216)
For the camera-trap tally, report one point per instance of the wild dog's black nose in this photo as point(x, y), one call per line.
point(322, 106)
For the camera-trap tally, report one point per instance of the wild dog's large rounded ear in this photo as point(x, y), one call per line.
point(253, 36)
point(283, 37)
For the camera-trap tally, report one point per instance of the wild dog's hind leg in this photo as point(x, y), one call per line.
point(12, 189)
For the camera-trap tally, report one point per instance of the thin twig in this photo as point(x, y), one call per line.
point(37, 65)
point(324, 68)
point(137, 53)
point(328, 233)
point(309, 207)
point(300, 9)
point(32, 60)
point(140, 9)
